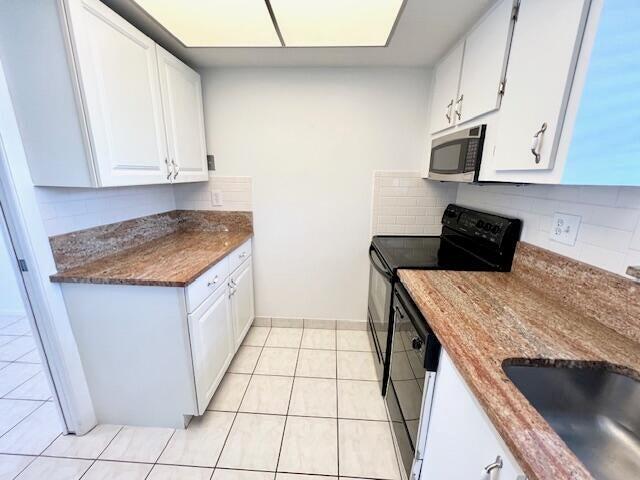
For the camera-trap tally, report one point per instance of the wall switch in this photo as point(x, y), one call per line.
point(564, 228)
point(216, 198)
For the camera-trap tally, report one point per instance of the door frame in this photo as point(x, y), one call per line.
point(22, 225)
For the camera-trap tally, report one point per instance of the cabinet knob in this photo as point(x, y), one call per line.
point(169, 172)
point(459, 107)
point(212, 282)
point(492, 467)
point(447, 112)
point(535, 143)
point(176, 168)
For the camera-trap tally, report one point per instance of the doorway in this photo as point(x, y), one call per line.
point(30, 416)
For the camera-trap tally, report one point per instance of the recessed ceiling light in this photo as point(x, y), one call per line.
point(336, 23)
point(215, 23)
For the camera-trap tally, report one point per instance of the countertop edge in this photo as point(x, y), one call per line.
point(62, 277)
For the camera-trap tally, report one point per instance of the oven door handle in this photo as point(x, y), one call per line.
point(379, 268)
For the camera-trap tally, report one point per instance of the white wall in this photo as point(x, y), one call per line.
point(311, 139)
point(10, 298)
point(608, 237)
point(66, 210)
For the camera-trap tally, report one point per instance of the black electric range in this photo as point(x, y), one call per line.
point(471, 240)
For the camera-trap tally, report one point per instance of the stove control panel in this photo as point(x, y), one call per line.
point(479, 225)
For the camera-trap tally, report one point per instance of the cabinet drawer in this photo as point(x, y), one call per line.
point(239, 255)
point(207, 283)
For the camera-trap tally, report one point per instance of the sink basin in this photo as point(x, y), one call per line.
point(596, 412)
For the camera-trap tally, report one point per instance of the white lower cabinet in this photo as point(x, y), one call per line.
point(461, 441)
point(212, 344)
point(241, 294)
point(154, 355)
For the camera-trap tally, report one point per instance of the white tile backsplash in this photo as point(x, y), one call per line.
point(65, 210)
point(608, 237)
point(236, 194)
point(405, 203)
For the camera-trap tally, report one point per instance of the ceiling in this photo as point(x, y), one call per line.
point(425, 31)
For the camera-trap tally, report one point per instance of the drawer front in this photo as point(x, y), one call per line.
point(239, 255)
point(207, 283)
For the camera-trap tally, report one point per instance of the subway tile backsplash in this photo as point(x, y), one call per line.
point(66, 210)
point(405, 203)
point(236, 194)
point(609, 233)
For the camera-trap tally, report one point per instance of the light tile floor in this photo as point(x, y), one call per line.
point(295, 405)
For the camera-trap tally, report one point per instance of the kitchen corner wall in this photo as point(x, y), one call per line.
point(406, 204)
point(310, 139)
point(608, 236)
point(234, 194)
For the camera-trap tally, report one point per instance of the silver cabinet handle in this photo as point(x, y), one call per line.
point(232, 283)
point(242, 255)
point(459, 107)
point(447, 112)
point(176, 168)
point(212, 282)
point(169, 172)
point(535, 144)
point(497, 465)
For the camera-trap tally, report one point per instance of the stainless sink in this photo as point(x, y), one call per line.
point(596, 412)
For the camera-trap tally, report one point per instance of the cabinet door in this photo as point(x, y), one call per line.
point(118, 74)
point(182, 104)
point(445, 90)
point(485, 59)
point(545, 43)
point(211, 332)
point(461, 440)
point(242, 300)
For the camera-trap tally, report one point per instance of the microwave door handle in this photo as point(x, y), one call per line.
point(379, 268)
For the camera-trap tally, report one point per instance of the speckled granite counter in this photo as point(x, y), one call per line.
point(549, 310)
point(170, 249)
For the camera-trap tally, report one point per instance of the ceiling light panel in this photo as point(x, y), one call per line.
point(335, 23)
point(215, 23)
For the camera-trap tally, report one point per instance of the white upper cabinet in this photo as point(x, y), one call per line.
point(182, 103)
point(485, 62)
point(542, 62)
point(98, 103)
point(445, 89)
point(118, 70)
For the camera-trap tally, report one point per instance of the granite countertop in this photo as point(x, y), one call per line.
point(529, 316)
point(168, 250)
point(174, 260)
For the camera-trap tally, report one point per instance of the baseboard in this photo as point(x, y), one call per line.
point(320, 323)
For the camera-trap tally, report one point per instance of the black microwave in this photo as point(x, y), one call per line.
point(456, 157)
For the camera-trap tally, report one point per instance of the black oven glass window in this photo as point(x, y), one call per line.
point(446, 159)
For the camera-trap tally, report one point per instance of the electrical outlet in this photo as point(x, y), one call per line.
point(216, 198)
point(564, 228)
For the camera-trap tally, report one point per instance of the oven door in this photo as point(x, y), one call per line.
point(414, 361)
point(379, 310)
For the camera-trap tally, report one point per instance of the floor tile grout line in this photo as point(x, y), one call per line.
point(337, 411)
point(23, 419)
point(286, 417)
point(235, 416)
point(18, 386)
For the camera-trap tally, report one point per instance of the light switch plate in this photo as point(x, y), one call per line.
point(564, 228)
point(216, 198)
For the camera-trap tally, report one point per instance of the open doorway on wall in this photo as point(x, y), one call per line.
point(29, 417)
